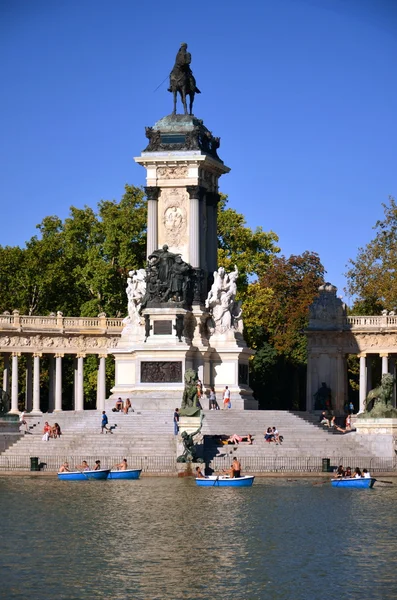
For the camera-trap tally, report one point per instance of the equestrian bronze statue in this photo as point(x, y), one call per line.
point(182, 80)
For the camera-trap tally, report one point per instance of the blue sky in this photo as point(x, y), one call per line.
point(302, 93)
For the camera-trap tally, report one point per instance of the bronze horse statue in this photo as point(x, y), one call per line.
point(182, 80)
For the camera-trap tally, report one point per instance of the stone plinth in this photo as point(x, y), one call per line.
point(380, 435)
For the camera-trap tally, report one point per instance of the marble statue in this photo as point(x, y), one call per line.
point(136, 289)
point(224, 310)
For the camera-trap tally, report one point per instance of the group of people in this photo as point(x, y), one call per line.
point(121, 406)
point(123, 466)
point(51, 431)
point(341, 472)
point(234, 471)
point(272, 435)
point(329, 420)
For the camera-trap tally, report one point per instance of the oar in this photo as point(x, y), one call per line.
point(321, 482)
point(217, 477)
point(381, 481)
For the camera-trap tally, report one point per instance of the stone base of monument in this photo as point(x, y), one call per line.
point(188, 424)
point(380, 435)
point(188, 469)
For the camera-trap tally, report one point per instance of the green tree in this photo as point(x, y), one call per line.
point(372, 275)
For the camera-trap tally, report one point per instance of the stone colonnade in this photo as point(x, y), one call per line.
point(32, 395)
point(332, 336)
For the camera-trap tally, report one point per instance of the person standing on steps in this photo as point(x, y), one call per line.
point(176, 421)
point(226, 398)
point(104, 425)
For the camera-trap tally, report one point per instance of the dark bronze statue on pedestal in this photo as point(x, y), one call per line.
point(182, 80)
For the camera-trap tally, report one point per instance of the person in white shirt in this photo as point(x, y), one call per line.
point(366, 474)
point(226, 398)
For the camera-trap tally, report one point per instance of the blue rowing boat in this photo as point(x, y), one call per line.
point(126, 474)
point(225, 481)
point(353, 482)
point(84, 475)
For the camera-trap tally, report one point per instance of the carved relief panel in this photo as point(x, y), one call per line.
point(173, 220)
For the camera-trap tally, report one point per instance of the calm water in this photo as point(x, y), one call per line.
point(162, 538)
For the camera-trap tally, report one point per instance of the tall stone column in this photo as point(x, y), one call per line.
point(393, 372)
point(79, 405)
point(101, 388)
point(368, 363)
point(212, 199)
point(14, 384)
point(58, 382)
point(341, 383)
point(6, 373)
point(36, 384)
point(152, 194)
point(51, 383)
point(29, 384)
point(195, 194)
point(363, 382)
point(385, 363)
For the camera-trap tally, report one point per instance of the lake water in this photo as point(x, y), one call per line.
point(164, 538)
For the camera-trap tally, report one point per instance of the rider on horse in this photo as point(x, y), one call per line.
point(182, 79)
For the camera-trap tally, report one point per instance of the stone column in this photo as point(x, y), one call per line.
point(79, 404)
point(58, 382)
point(152, 194)
point(6, 373)
point(51, 383)
point(101, 387)
point(36, 384)
point(385, 363)
point(29, 383)
point(368, 363)
point(75, 382)
point(393, 372)
point(212, 199)
point(363, 382)
point(341, 383)
point(195, 193)
point(14, 384)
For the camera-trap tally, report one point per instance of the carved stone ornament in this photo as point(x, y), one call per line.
point(174, 217)
point(327, 311)
point(177, 172)
point(71, 343)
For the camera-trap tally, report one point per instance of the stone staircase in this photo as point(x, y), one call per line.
point(145, 438)
point(142, 437)
point(302, 436)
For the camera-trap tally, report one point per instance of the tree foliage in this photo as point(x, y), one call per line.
point(372, 275)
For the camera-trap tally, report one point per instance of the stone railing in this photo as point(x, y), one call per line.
point(60, 324)
point(371, 322)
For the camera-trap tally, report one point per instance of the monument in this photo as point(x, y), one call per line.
point(182, 312)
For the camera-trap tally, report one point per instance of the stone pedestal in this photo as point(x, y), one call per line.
point(379, 435)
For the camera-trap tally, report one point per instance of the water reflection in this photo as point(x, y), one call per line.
point(161, 538)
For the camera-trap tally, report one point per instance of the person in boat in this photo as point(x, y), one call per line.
point(340, 472)
point(348, 472)
point(119, 405)
point(366, 474)
point(127, 406)
point(121, 466)
point(269, 436)
point(199, 474)
point(236, 466)
point(357, 473)
point(64, 468)
point(83, 467)
point(97, 465)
